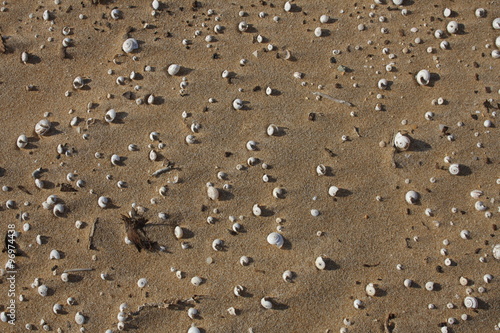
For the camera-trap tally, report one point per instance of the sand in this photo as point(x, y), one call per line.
point(364, 239)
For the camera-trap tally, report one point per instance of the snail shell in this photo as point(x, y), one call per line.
point(423, 77)
point(408, 283)
point(275, 238)
point(22, 141)
point(64, 277)
point(130, 45)
point(244, 261)
point(324, 18)
point(496, 23)
point(402, 142)
point(142, 282)
point(465, 234)
point(116, 14)
point(412, 197)
point(278, 192)
point(42, 127)
point(155, 4)
point(57, 308)
point(320, 263)
point(237, 104)
point(54, 254)
point(452, 27)
point(173, 69)
point(476, 194)
point(242, 26)
point(256, 210)
point(287, 276)
point(487, 278)
point(332, 191)
point(318, 32)
point(79, 318)
point(272, 130)
point(444, 45)
point(479, 205)
point(496, 251)
point(115, 159)
point(471, 302)
point(67, 42)
point(370, 289)
point(103, 201)
point(151, 99)
point(480, 12)
point(266, 303)
point(46, 15)
point(192, 313)
point(321, 170)
point(58, 210)
point(190, 139)
point(382, 84)
point(357, 303)
point(217, 244)
point(196, 281)
point(43, 290)
point(213, 193)
point(429, 286)
point(454, 169)
point(463, 281)
point(178, 232)
point(193, 329)
point(25, 57)
point(251, 145)
point(239, 291)
point(110, 116)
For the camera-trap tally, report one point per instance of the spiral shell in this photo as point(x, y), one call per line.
point(43, 290)
point(333, 190)
point(173, 69)
point(401, 141)
point(471, 302)
point(370, 289)
point(237, 104)
point(287, 276)
point(423, 77)
point(266, 303)
point(42, 127)
point(412, 197)
point(242, 26)
point(130, 45)
point(256, 210)
point(382, 84)
point(193, 329)
point(321, 170)
point(429, 286)
point(79, 318)
point(454, 169)
point(116, 14)
point(320, 263)
point(496, 23)
point(58, 210)
point(103, 202)
point(196, 281)
point(217, 244)
point(318, 32)
point(479, 205)
point(275, 238)
point(239, 291)
point(115, 159)
point(142, 282)
point(480, 12)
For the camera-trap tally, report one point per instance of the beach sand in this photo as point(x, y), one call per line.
point(365, 239)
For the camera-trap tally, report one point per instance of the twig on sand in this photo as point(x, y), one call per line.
point(341, 101)
point(78, 270)
point(91, 234)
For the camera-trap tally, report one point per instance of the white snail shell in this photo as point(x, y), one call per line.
point(242, 26)
point(412, 197)
point(402, 142)
point(190, 139)
point(471, 302)
point(192, 313)
point(251, 145)
point(479, 205)
point(275, 238)
point(357, 303)
point(173, 69)
point(217, 244)
point(58, 210)
point(178, 232)
point(237, 104)
point(429, 286)
point(42, 127)
point(480, 12)
point(57, 308)
point(287, 276)
point(324, 18)
point(153, 155)
point(496, 251)
point(408, 283)
point(266, 303)
point(130, 45)
point(110, 115)
point(370, 289)
point(54, 254)
point(43, 290)
point(476, 194)
point(496, 23)
point(463, 281)
point(155, 4)
point(454, 169)
point(79, 318)
point(22, 141)
point(244, 261)
point(321, 170)
point(46, 15)
point(452, 27)
point(151, 99)
point(272, 130)
point(238, 291)
point(278, 192)
point(332, 191)
point(382, 84)
point(103, 201)
point(115, 159)
point(116, 14)
point(320, 263)
point(142, 282)
point(213, 193)
point(423, 77)
point(25, 57)
point(256, 210)
point(196, 281)
point(318, 32)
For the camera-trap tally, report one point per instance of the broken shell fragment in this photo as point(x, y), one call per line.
point(266, 303)
point(242, 26)
point(278, 193)
point(54, 254)
point(115, 159)
point(42, 127)
point(275, 238)
point(217, 244)
point(173, 69)
point(110, 116)
point(423, 77)
point(318, 32)
point(412, 197)
point(130, 45)
point(239, 291)
point(429, 286)
point(401, 141)
point(321, 170)
point(320, 263)
point(332, 191)
point(22, 141)
point(272, 130)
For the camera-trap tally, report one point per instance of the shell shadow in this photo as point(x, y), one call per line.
point(2, 172)
point(278, 306)
point(138, 77)
point(120, 116)
point(416, 285)
point(464, 170)
point(380, 293)
point(329, 171)
point(225, 195)
point(159, 100)
point(331, 265)
point(325, 32)
point(184, 71)
point(419, 145)
point(287, 245)
point(281, 131)
point(34, 59)
point(482, 304)
point(187, 234)
point(434, 78)
point(73, 278)
point(342, 193)
point(266, 212)
point(53, 129)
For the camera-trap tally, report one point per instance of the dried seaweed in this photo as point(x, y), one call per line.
point(136, 234)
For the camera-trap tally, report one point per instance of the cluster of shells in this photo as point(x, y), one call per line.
point(265, 171)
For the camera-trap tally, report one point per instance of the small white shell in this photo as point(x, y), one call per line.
point(217, 244)
point(46, 15)
point(332, 191)
point(196, 281)
point(401, 141)
point(471, 302)
point(480, 12)
point(58, 210)
point(423, 77)
point(320, 263)
point(64, 277)
point(213, 193)
point(288, 6)
point(408, 283)
point(25, 57)
point(272, 130)
point(251, 145)
point(370, 289)
point(155, 4)
point(357, 303)
point(476, 194)
point(115, 159)
point(321, 170)
point(256, 210)
point(239, 291)
point(110, 115)
point(103, 201)
point(318, 32)
point(190, 139)
point(479, 205)
point(412, 197)
point(496, 23)
point(173, 69)
point(324, 18)
point(22, 141)
point(242, 26)
point(130, 45)
point(244, 260)
point(465, 234)
point(43, 290)
point(142, 282)
point(178, 232)
point(192, 313)
point(153, 155)
point(266, 303)
point(193, 329)
point(496, 251)
point(487, 278)
point(54, 254)
point(397, 2)
point(237, 104)
point(287, 276)
point(454, 169)
point(452, 27)
point(447, 12)
point(116, 14)
point(79, 318)
point(57, 308)
point(278, 192)
point(232, 311)
point(429, 286)
point(42, 127)
point(382, 84)
point(275, 238)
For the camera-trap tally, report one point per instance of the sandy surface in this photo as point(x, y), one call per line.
point(363, 238)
